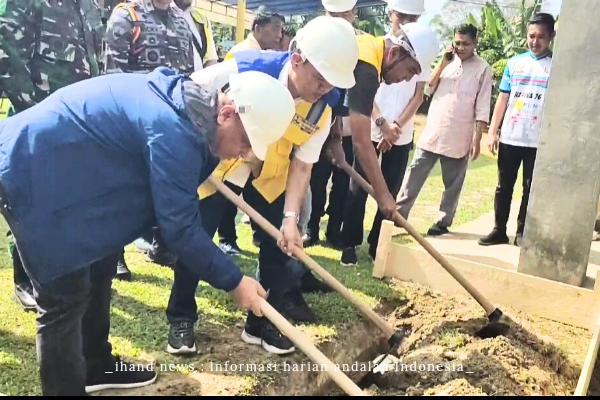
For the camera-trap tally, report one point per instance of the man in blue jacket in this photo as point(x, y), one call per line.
point(97, 163)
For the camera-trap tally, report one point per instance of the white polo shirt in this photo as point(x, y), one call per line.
point(392, 100)
point(309, 152)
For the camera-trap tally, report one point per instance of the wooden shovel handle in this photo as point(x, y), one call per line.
point(385, 327)
point(403, 223)
point(304, 343)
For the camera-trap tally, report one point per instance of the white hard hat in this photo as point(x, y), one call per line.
point(338, 6)
point(265, 106)
point(329, 44)
point(420, 41)
point(410, 7)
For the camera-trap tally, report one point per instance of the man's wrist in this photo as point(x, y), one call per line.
point(291, 215)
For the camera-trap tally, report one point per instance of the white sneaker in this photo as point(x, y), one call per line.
point(142, 246)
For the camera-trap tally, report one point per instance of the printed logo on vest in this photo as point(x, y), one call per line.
point(304, 124)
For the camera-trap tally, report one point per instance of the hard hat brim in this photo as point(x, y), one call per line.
point(335, 7)
point(407, 12)
point(338, 9)
point(342, 81)
point(258, 147)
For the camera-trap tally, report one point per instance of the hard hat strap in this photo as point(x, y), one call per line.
point(406, 45)
point(393, 65)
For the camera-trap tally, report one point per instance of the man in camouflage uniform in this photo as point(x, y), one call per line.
point(44, 46)
point(141, 36)
point(164, 38)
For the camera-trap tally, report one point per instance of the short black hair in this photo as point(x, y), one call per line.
point(468, 29)
point(544, 19)
point(263, 16)
point(289, 31)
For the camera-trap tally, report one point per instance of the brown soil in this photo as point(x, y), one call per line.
point(295, 374)
point(535, 357)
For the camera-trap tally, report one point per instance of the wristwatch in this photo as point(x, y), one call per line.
point(379, 122)
point(291, 214)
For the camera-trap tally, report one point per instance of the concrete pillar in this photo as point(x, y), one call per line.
point(566, 181)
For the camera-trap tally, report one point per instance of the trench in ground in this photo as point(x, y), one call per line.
point(442, 354)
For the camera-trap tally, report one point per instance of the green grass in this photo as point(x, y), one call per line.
point(452, 339)
point(139, 326)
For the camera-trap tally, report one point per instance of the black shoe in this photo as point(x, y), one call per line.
point(231, 249)
point(349, 257)
point(120, 375)
point(518, 239)
point(181, 338)
point(261, 332)
point(123, 272)
point(293, 306)
point(437, 230)
point(373, 252)
point(334, 240)
point(161, 257)
point(310, 284)
point(494, 238)
point(24, 296)
point(311, 238)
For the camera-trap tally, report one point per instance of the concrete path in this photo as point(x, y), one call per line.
point(462, 243)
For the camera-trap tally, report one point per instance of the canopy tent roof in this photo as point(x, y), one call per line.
point(296, 7)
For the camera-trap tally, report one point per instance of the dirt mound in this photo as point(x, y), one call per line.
point(442, 354)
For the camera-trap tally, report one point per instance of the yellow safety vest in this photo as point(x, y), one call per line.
point(370, 50)
point(5, 108)
point(248, 44)
point(272, 181)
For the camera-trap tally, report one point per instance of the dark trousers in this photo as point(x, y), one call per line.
point(19, 274)
point(72, 328)
point(321, 172)
point(509, 162)
point(73, 322)
point(182, 303)
point(227, 231)
point(393, 168)
point(277, 272)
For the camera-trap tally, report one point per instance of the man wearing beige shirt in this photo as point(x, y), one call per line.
point(459, 111)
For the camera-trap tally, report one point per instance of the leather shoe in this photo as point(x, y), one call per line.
point(24, 296)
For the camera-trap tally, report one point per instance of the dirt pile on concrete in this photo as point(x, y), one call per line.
point(443, 356)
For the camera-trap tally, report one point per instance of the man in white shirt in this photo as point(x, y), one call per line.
point(519, 108)
point(205, 50)
point(392, 127)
